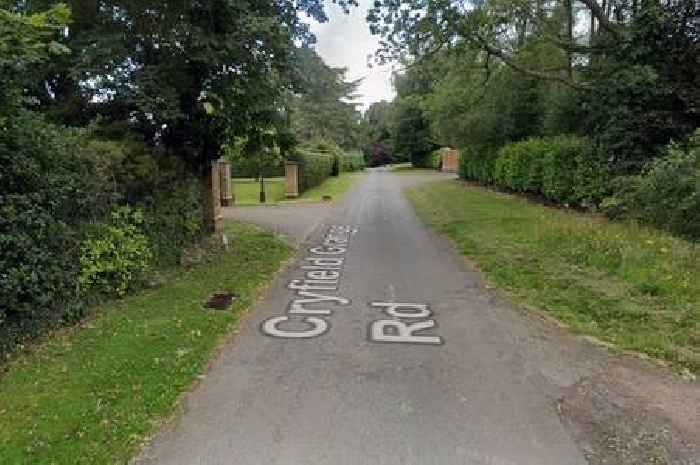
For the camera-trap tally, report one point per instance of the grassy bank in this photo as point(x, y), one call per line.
point(247, 191)
point(89, 395)
point(632, 286)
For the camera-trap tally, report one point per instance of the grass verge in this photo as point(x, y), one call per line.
point(247, 191)
point(90, 394)
point(407, 168)
point(632, 286)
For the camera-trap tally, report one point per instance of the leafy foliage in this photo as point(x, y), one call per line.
point(666, 195)
point(324, 108)
point(47, 194)
point(478, 163)
point(353, 161)
point(314, 167)
point(115, 255)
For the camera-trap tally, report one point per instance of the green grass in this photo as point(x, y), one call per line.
point(407, 168)
point(632, 286)
point(247, 191)
point(90, 394)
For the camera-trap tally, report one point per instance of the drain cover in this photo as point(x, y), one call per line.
point(220, 300)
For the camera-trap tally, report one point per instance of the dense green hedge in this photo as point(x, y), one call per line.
point(666, 195)
point(314, 167)
point(560, 168)
point(353, 161)
point(320, 159)
point(570, 170)
point(433, 160)
point(477, 163)
point(47, 195)
point(61, 245)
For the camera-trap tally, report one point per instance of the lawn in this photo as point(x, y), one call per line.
point(632, 286)
point(408, 168)
point(247, 191)
point(90, 394)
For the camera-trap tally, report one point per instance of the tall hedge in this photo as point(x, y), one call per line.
point(352, 161)
point(47, 195)
point(314, 167)
point(560, 168)
point(59, 191)
point(478, 163)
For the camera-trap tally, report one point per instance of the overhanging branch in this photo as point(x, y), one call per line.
point(503, 56)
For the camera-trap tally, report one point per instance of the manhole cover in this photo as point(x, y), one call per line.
point(220, 300)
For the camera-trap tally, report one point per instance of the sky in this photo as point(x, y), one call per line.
point(345, 41)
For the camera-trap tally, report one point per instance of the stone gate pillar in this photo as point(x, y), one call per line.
point(227, 196)
point(291, 179)
point(213, 218)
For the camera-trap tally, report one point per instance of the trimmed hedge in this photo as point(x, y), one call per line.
point(478, 163)
point(353, 161)
point(560, 168)
point(314, 167)
point(519, 165)
point(433, 160)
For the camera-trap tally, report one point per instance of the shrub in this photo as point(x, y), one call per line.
point(330, 149)
point(116, 254)
point(666, 195)
point(353, 161)
point(433, 160)
point(314, 167)
point(519, 165)
point(559, 168)
point(172, 220)
point(47, 193)
point(593, 176)
point(478, 163)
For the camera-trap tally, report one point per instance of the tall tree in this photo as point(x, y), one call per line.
point(187, 76)
point(325, 105)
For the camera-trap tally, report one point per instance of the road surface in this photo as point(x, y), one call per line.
point(329, 369)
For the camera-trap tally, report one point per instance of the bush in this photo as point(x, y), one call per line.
point(478, 163)
point(353, 161)
point(666, 195)
point(47, 194)
point(58, 187)
point(559, 168)
point(314, 167)
point(519, 165)
point(330, 149)
point(115, 255)
point(172, 220)
point(433, 160)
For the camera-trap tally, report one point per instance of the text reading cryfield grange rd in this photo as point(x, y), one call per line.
point(307, 314)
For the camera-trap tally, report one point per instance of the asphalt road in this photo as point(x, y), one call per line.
point(319, 375)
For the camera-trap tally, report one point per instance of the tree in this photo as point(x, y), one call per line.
point(378, 146)
point(324, 107)
point(629, 80)
point(188, 76)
